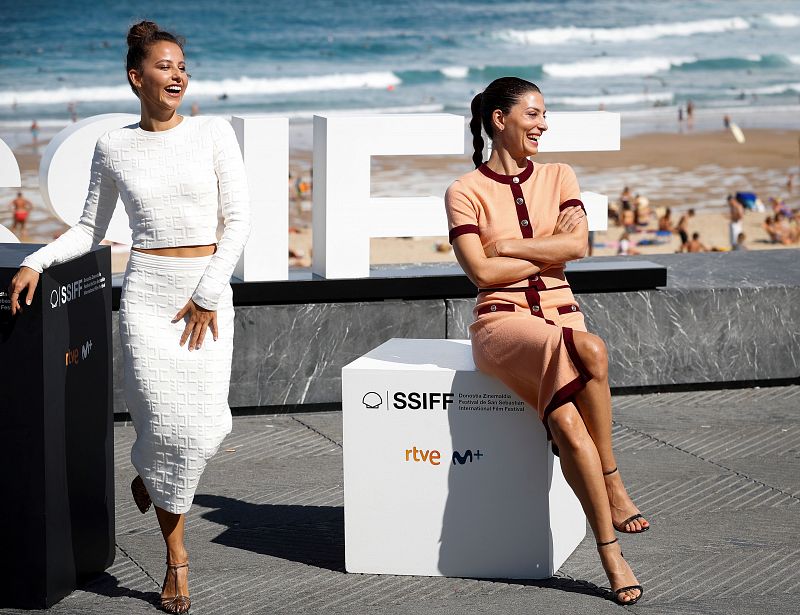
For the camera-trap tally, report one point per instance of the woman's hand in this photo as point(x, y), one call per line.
point(200, 319)
point(25, 278)
point(569, 219)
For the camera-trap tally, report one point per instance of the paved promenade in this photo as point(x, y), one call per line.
point(716, 472)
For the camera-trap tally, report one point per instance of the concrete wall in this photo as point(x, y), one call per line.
point(721, 318)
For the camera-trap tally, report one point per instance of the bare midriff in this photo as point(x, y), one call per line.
point(181, 251)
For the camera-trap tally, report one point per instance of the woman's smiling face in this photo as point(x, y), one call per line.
point(518, 131)
point(163, 79)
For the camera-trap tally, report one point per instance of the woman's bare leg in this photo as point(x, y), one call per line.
point(172, 528)
point(594, 405)
point(580, 463)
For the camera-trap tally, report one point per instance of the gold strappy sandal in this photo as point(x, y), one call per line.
point(178, 603)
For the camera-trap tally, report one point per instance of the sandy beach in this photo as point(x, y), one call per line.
point(680, 171)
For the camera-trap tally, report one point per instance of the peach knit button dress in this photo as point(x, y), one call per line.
point(522, 332)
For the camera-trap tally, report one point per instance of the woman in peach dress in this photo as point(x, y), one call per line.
point(513, 225)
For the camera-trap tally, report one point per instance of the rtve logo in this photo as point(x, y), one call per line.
point(64, 294)
point(432, 456)
point(73, 357)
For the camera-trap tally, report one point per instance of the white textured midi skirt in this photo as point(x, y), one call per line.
point(178, 399)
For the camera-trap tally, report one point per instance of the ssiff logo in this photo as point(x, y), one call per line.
point(64, 294)
point(372, 400)
point(413, 400)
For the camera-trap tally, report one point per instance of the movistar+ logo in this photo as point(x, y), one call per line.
point(433, 456)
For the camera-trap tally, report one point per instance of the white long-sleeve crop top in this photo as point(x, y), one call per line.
point(172, 183)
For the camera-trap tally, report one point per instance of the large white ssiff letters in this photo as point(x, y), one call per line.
point(345, 217)
point(9, 178)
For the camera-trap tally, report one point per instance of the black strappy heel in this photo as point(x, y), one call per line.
point(621, 526)
point(617, 592)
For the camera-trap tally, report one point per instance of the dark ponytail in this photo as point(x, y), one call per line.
point(502, 94)
point(141, 37)
point(475, 129)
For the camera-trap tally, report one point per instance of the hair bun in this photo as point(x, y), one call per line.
point(141, 32)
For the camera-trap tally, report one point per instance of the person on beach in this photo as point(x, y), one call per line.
point(172, 173)
point(625, 248)
point(35, 132)
point(781, 230)
point(695, 245)
point(513, 225)
point(689, 114)
point(740, 245)
point(22, 208)
point(626, 197)
point(683, 228)
point(628, 218)
point(736, 215)
point(665, 224)
point(642, 211)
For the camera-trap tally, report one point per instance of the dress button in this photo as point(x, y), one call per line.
point(524, 223)
point(535, 278)
point(535, 308)
point(520, 201)
point(515, 180)
point(493, 308)
point(574, 308)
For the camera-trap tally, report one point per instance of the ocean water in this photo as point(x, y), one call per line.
point(298, 58)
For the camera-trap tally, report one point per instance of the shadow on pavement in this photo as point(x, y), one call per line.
point(312, 535)
point(564, 584)
point(108, 585)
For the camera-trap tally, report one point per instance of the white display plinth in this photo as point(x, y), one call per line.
point(447, 472)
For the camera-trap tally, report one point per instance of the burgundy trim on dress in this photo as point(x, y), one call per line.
point(562, 396)
point(463, 229)
point(520, 289)
point(496, 307)
point(532, 296)
point(569, 390)
point(507, 179)
point(573, 354)
point(535, 281)
point(525, 226)
point(568, 309)
point(507, 289)
point(572, 203)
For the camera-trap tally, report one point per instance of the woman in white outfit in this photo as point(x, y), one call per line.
point(172, 172)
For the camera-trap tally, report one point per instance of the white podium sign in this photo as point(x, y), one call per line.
point(446, 472)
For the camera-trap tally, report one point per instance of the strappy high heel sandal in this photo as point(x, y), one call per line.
point(140, 495)
point(616, 592)
point(621, 527)
point(178, 603)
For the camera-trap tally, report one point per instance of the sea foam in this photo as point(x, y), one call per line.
point(231, 87)
point(555, 36)
point(613, 99)
point(455, 72)
point(769, 90)
point(607, 67)
point(783, 20)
